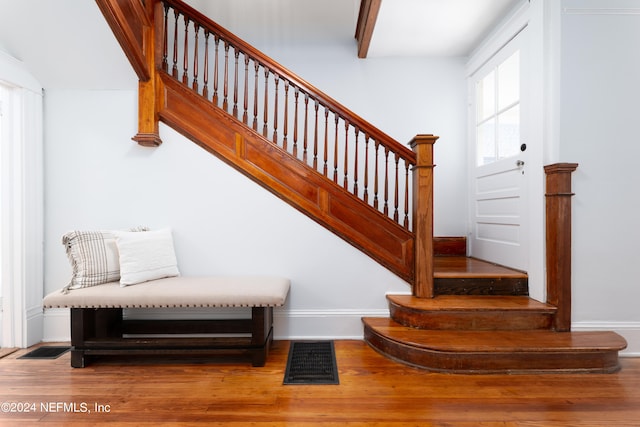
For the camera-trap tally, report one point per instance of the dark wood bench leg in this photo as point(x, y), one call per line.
point(261, 334)
point(77, 359)
point(88, 323)
point(82, 322)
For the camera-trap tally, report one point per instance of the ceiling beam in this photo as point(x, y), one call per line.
point(366, 23)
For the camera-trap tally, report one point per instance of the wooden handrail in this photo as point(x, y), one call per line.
point(286, 110)
point(275, 67)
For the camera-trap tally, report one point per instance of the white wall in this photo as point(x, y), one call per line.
point(96, 177)
point(600, 130)
point(223, 223)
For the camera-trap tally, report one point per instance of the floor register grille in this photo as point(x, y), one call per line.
point(311, 362)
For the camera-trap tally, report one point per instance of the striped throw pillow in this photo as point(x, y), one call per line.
point(93, 256)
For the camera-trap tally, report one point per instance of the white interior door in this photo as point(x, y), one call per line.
point(498, 187)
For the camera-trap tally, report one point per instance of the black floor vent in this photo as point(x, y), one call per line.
point(311, 362)
point(45, 352)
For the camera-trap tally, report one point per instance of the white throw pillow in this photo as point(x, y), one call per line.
point(146, 256)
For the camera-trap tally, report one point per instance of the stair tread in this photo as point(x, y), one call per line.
point(496, 341)
point(471, 303)
point(461, 267)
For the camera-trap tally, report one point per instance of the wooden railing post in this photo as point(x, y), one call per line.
point(148, 90)
point(134, 25)
point(422, 145)
point(558, 218)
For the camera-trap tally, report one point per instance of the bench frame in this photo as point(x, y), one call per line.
point(104, 331)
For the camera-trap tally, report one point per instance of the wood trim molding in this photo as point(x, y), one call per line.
point(366, 23)
point(128, 21)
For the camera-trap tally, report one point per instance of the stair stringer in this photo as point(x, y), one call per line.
point(302, 187)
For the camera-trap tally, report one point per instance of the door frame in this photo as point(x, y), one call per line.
point(22, 209)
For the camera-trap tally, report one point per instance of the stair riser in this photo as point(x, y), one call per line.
point(481, 286)
point(604, 362)
point(474, 320)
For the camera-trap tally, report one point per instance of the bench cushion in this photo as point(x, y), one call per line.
point(184, 291)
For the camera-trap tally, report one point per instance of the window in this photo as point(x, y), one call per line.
point(498, 112)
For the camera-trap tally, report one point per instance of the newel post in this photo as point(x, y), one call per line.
point(558, 218)
point(422, 145)
point(150, 91)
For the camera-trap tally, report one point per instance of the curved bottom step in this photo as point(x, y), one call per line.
point(484, 352)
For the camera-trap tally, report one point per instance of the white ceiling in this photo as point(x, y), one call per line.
point(434, 27)
point(67, 43)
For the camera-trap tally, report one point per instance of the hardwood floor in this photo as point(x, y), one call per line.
point(373, 391)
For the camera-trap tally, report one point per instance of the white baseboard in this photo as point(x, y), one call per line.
point(57, 325)
point(288, 324)
point(35, 324)
point(323, 324)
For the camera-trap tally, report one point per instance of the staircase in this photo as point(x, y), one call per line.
point(486, 330)
point(335, 167)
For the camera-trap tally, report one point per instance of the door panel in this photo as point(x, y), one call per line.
point(498, 217)
point(498, 196)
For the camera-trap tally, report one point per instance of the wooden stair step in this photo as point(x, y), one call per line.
point(459, 275)
point(461, 266)
point(535, 351)
point(471, 312)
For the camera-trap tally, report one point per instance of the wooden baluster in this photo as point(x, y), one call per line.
point(335, 151)
point(375, 177)
point(165, 39)
point(255, 96)
point(326, 141)
point(355, 163)
point(286, 114)
point(385, 209)
point(236, 54)
point(275, 110)
point(295, 124)
point(265, 117)
point(215, 70)
point(406, 194)
point(396, 200)
point(315, 137)
point(365, 194)
point(174, 69)
point(194, 86)
point(205, 89)
point(225, 94)
point(185, 62)
point(306, 127)
point(345, 183)
point(245, 114)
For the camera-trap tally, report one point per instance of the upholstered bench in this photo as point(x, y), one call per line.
point(99, 328)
